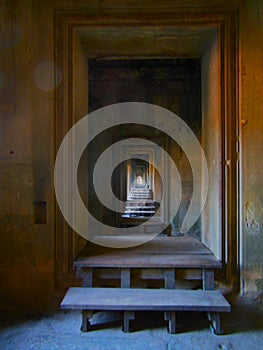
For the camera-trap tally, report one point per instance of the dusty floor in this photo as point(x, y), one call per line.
point(243, 330)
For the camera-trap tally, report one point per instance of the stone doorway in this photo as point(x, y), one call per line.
point(205, 34)
point(174, 84)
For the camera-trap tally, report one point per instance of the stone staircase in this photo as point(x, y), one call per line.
point(174, 261)
point(139, 208)
point(140, 204)
point(140, 193)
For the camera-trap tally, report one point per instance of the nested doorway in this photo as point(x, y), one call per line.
point(207, 38)
point(174, 84)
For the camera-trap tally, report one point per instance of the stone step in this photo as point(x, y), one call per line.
point(139, 212)
point(140, 206)
point(140, 191)
point(133, 299)
point(144, 299)
point(141, 201)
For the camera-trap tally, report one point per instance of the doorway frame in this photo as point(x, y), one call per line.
point(68, 50)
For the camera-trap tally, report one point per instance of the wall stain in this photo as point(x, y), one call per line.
point(251, 225)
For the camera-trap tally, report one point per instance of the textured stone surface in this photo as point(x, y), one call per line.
point(61, 330)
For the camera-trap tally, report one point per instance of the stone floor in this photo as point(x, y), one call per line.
point(243, 329)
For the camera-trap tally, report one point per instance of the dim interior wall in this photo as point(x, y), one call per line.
point(26, 208)
point(211, 143)
point(251, 131)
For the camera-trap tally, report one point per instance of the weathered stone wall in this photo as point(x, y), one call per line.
point(251, 125)
point(25, 176)
point(27, 270)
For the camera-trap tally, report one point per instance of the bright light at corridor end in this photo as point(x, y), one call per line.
point(84, 131)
